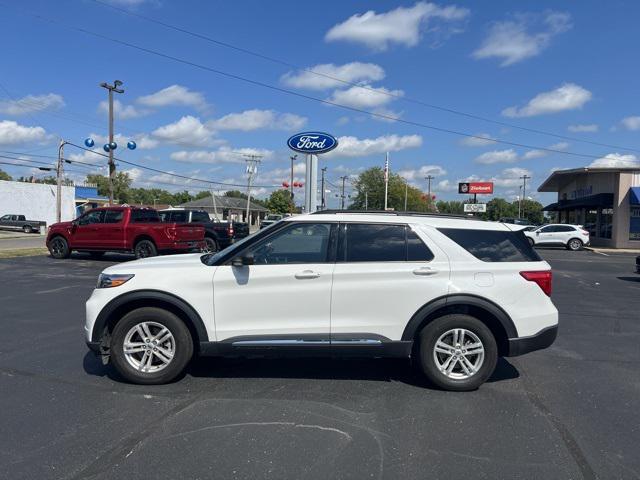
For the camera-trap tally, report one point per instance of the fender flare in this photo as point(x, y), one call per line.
point(189, 312)
point(458, 299)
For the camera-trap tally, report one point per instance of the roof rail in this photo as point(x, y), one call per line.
point(394, 212)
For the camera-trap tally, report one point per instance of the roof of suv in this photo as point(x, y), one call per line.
point(434, 220)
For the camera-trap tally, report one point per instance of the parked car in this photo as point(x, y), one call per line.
point(453, 294)
point(638, 264)
point(270, 220)
point(515, 221)
point(217, 235)
point(20, 222)
point(122, 229)
point(573, 237)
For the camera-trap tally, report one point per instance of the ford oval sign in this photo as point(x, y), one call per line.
point(312, 142)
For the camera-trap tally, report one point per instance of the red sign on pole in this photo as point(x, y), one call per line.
point(475, 188)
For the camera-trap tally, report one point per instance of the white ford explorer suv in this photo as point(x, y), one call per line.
point(451, 293)
point(572, 237)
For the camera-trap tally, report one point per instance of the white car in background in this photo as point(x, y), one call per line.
point(573, 237)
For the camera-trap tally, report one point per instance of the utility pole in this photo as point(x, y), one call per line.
point(428, 178)
point(519, 201)
point(252, 169)
point(524, 179)
point(366, 200)
point(406, 191)
point(322, 200)
point(112, 165)
point(59, 175)
point(344, 179)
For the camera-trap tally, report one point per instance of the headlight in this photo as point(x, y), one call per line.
point(106, 280)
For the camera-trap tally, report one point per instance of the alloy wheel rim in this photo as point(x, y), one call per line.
point(458, 354)
point(143, 251)
point(149, 347)
point(57, 247)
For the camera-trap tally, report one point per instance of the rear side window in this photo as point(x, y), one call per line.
point(180, 216)
point(144, 216)
point(565, 228)
point(113, 216)
point(493, 245)
point(383, 243)
point(200, 217)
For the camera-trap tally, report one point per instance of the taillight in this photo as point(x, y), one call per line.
point(542, 278)
point(585, 232)
point(230, 229)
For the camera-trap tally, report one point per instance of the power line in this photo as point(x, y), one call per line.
point(354, 84)
point(301, 95)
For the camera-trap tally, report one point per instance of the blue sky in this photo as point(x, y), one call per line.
point(566, 68)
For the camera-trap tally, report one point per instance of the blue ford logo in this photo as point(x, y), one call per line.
point(312, 142)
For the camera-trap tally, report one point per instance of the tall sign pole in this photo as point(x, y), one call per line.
point(59, 174)
point(111, 144)
point(252, 169)
point(323, 204)
point(386, 181)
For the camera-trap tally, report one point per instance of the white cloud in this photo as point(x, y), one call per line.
point(523, 37)
point(122, 111)
point(446, 185)
point(567, 97)
point(12, 133)
point(188, 130)
point(403, 26)
point(258, 119)
point(559, 146)
point(221, 155)
point(510, 177)
point(479, 140)
point(321, 77)
point(616, 160)
point(369, 97)
point(423, 171)
point(174, 95)
point(497, 156)
point(96, 156)
point(583, 128)
point(531, 154)
point(631, 123)
point(31, 104)
point(355, 147)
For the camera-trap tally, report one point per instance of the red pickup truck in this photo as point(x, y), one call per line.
point(122, 229)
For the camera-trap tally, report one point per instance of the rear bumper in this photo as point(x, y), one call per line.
point(543, 339)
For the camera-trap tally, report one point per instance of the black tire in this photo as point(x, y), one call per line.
point(27, 229)
point(574, 244)
point(182, 353)
point(531, 241)
point(145, 249)
point(96, 254)
point(434, 330)
point(211, 245)
point(58, 247)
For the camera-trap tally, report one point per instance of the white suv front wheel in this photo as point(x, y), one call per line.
point(150, 346)
point(457, 352)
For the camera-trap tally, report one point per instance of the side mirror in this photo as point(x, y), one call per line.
point(242, 261)
point(537, 232)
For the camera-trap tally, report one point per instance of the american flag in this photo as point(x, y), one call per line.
point(386, 169)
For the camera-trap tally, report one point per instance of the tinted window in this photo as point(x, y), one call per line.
point(300, 243)
point(165, 216)
point(6, 217)
point(375, 243)
point(113, 216)
point(565, 228)
point(549, 229)
point(417, 251)
point(180, 216)
point(200, 217)
point(144, 216)
point(94, 216)
point(493, 245)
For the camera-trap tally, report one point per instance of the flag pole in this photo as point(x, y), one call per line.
point(386, 180)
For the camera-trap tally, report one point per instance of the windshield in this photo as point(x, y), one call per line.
point(273, 217)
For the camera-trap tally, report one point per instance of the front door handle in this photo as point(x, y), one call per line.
point(307, 274)
point(424, 271)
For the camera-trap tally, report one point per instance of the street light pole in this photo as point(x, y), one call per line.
point(524, 179)
point(406, 191)
point(322, 199)
point(112, 165)
point(344, 179)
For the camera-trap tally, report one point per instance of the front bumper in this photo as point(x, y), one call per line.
point(543, 339)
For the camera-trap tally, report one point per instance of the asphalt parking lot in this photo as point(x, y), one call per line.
point(568, 412)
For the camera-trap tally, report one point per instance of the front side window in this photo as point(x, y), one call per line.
point(180, 216)
point(94, 216)
point(299, 243)
point(549, 229)
point(493, 245)
point(6, 217)
point(113, 216)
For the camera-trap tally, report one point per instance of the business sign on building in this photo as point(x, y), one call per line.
point(475, 207)
point(475, 188)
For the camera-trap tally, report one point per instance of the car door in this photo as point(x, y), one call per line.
point(384, 274)
point(565, 233)
point(546, 235)
point(86, 230)
point(284, 297)
point(111, 230)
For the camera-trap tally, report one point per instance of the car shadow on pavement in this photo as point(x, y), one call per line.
point(630, 279)
point(376, 369)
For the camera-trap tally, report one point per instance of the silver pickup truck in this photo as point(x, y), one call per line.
point(20, 222)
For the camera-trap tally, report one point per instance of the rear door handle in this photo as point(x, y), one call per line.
point(307, 274)
point(425, 271)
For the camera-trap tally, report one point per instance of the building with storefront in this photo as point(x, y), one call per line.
point(606, 201)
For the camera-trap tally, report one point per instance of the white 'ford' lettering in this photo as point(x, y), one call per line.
point(308, 142)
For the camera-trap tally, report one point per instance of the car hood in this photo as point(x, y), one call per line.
point(62, 225)
point(171, 262)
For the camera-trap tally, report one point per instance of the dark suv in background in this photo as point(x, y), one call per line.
point(217, 235)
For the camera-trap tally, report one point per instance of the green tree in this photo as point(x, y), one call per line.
point(202, 194)
point(4, 175)
point(235, 194)
point(531, 210)
point(455, 207)
point(498, 208)
point(121, 186)
point(371, 181)
point(280, 201)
